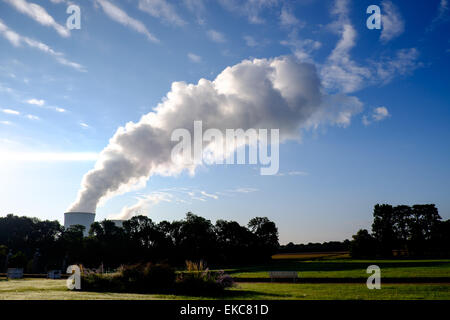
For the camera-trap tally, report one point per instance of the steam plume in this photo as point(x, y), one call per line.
point(279, 93)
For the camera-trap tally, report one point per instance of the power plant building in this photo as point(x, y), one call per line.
point(81, 218)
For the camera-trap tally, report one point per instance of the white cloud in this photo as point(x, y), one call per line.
point(292, 173)
point(250, 41)
point(144, 203)
point(340, 8)
point(16, 40)
point(340, 72)
point(39, 14)
point(297, 173)
point(41, 103)
point(392, 22)
point(120, 16)
point(161, 9)
point(442, 15)
point(6, 123)
point(216, 36)
point(250, 8)
point(209, 195)
point(302, 48)
point(32, 117)
point(61, 110)
point(84, 125)
point(194, 58)
point(10, 111)
point(404, 62)
point(243, 190)
point(37, 102)
point(378, 114)
point(287, 18)
point(198, 8)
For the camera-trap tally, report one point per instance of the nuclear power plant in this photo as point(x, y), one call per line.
point(82, 218)
point(85, 219)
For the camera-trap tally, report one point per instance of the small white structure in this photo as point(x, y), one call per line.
point(82, 218)
point(15, 273)
point(54, 274)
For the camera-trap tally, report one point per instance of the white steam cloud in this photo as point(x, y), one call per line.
point(279, 93)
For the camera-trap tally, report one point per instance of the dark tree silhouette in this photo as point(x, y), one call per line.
point(363, 245)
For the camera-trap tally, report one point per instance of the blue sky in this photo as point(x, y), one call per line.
point(63, 94)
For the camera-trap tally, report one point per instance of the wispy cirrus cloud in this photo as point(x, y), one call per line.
point(11, 111)
point(302, 48)
point(392, 22)
point(38, 14)
point(292, 173)
point(36, 102)
point(252, 9)
point(442, 15)
point(288, 19)
point(32, 117)
point(120, 16)
point(216, 36)
point(41, 103)
point(194, 58)
point(163, 10)
point(378, 114)
point(17, 40)
point(342, 73)
point(198, 8)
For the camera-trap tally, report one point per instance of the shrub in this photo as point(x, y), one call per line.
point(148, 277)
point(102, 283)
point(143, 278)
point(225, 280)
point(200, 281)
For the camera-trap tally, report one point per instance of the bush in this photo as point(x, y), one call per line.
point(201, 281)
point(148, 277)
point(102, 283)
point(199, 284)
point(142, 278)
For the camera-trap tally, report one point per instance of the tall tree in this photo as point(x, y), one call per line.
point(382, 228)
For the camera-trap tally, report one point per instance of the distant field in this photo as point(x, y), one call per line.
point(43, 289)
point(311, 255)
point(333, 267)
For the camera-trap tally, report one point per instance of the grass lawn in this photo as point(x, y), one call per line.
point(37, 289)
point(346, 268)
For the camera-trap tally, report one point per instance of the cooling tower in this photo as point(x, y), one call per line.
point(83, 218)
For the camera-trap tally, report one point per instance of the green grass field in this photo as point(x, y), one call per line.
point(323, 266)
point(347, 268)
point(43, 289)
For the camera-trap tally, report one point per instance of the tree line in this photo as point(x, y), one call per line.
point(415, 231)
point(44, 245)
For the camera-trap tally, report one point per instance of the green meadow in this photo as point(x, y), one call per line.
point(318, 268)
point(43, 289)
point(347, 268)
